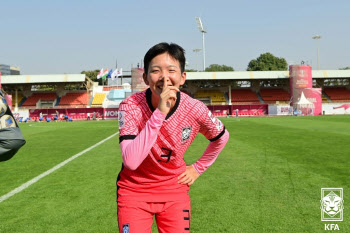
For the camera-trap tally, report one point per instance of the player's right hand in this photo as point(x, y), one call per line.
point(167, 98)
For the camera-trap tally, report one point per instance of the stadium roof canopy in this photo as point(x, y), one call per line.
point(247, 75)
point(43, 79)
point(191, 76)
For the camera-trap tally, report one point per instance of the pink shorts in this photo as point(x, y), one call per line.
point(137, 217)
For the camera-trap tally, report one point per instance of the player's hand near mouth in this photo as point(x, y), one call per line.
point(167, 98)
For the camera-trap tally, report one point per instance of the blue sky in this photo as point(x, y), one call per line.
point(55, 37)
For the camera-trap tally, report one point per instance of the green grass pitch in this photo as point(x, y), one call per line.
point(267, 179)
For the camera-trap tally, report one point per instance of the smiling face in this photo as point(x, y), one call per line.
point(163, 66)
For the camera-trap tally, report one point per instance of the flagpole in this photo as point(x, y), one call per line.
point(116, 67)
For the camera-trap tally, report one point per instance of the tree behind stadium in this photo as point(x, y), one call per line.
point(92, 74)
point(216, 67)
point(267, 61)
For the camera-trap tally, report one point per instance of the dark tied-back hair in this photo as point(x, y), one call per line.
point(174, 50)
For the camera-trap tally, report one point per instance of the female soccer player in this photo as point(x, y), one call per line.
point(156, 127)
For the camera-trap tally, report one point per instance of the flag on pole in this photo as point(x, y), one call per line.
point(99, 74)
point(114, 74)
point(120, 72)
point(104, 74)
point(110, 73)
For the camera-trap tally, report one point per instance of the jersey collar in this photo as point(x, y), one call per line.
point(149, 102)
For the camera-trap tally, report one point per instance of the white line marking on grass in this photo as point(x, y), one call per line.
point(48, 172)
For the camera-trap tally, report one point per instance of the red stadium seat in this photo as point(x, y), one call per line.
point(33, 99)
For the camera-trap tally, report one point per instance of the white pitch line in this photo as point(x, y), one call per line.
point(48, 172)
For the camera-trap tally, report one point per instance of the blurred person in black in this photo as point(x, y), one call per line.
point(11, 138)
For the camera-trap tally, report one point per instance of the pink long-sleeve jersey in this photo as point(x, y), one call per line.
point(153, 146)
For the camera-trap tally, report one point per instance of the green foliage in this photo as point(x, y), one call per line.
point(191, 70)
point(345, 68)
point(266, 62)
point(92, 74)
point(216, 67)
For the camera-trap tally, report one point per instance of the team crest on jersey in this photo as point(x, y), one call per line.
point(126, 228)
point(121, 119)
point(186, 133)
point(219, 125)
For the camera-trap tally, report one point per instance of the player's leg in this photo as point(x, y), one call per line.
point(174, 217)
point(134, 217)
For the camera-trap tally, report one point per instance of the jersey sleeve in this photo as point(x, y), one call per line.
point(136, 150)
point(211, 153)
point(128, 116)
point(210, 126)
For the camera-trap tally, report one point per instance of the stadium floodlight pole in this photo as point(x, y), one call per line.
point(201, 29)
point(196, 51)
point(317, 37)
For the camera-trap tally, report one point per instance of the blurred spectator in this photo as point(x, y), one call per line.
point(11, 138)
point(56, 117)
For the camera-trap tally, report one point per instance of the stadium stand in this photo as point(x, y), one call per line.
point(252, 93)
point(19, 97)
point(252, 112)
point(112, 88)
point(32, 100)
point(211, 96)
point(118, 95)
point(240, 96)
point(221, 113)
point(115, 97)
point(98, 99)
point(325, 98)
point(74, 100)
point(246, 110)
point(186, 92)
point(22, 101)
point(271, 95)
point(58, 101)
point(338, 94)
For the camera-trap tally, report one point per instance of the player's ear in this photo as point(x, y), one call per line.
point(183, 78)
point(145, 78)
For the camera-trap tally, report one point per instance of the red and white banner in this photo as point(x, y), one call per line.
point(314, 95)
point(301, 82)
point(110, 113)
point(300, 76)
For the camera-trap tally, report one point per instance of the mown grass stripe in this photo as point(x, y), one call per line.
point(48, 172)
